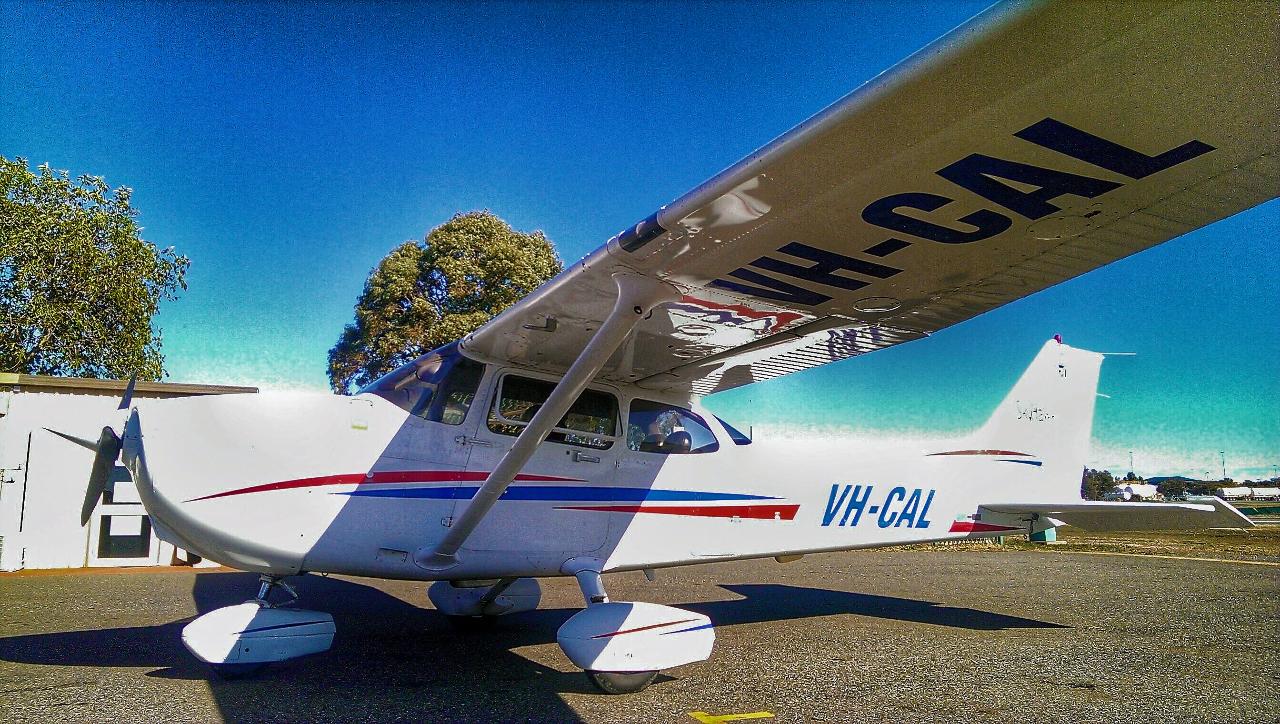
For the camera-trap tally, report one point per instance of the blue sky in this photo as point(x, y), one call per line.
point(287, 147)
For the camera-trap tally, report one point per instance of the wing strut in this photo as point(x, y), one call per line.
point(637, 295)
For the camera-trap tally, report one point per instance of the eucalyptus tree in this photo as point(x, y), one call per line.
point(423, 295)
point(79, 286)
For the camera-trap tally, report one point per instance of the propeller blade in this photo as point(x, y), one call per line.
point(87, 444)
point(103, 462)
point(128, 393)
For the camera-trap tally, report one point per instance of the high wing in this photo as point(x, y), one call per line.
point(1033, 144)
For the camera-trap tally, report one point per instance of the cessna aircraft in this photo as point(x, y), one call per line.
point(565, 436)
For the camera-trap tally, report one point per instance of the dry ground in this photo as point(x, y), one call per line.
point(938, 635)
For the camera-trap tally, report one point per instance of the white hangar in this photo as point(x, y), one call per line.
point(43, 476)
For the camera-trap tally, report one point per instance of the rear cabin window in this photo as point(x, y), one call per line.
point(658, 427)
point(438, 386)
point(592, 421)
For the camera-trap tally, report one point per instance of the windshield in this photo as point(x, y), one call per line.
point(438, 386)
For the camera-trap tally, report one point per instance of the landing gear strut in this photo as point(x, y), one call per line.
point(266, 583)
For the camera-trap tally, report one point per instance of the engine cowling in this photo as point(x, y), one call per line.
point(626, 637)
point(453, 599)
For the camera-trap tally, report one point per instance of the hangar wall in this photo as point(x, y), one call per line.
point(43, 476)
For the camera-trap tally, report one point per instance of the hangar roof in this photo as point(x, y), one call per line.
point(10, 381)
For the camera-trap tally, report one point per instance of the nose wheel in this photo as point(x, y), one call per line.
point(240, 641)
point(621, 682)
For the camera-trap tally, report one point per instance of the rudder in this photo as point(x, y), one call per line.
point(1048, 417)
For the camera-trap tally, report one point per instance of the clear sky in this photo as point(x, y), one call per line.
point(286, 147)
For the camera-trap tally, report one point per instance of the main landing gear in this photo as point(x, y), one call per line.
point(239, 641)
point(623, 646)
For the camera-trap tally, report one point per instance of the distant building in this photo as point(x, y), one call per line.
point(1242, 492)
point(43, 476)
point(1131, 490)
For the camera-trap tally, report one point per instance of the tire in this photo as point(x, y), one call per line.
point(621, 682)
point(231, 672)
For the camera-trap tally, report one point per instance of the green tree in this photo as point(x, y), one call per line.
point(78, 284)
point(1173, 488)
point(1096, 483)
point(422, 296)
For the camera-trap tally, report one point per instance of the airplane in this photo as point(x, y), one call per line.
point(566, 437)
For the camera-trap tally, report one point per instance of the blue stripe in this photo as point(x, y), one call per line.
point(283, 625)
point(556, 492)
point(1036, 463)
point(686, 630)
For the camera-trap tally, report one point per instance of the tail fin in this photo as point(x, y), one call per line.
point(1047, 418)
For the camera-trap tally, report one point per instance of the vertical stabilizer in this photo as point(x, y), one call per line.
point(1047, 418)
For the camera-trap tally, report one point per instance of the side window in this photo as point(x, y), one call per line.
point(457, 392)
point(661, 428)
point(438, 386)
point(591, 422)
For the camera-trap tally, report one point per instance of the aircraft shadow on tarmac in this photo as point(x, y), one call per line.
point(774, 602)
point(394, 660)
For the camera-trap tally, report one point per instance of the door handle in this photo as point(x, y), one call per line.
point(580, 457)
point(464, 440)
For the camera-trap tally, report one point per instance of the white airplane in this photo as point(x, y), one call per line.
point(565, 437)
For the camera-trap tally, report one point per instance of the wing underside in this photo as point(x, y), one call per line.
point(1035, 143)
point(1093, 515)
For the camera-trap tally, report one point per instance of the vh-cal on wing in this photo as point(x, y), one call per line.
point(1033, 144)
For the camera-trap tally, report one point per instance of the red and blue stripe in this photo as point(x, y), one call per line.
point(451, 485)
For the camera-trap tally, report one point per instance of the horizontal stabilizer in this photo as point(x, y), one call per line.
point(1116, 516)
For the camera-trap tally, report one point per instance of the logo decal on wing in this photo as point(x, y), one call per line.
point(736, 314)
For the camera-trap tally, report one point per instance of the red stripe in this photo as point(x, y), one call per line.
point(642, 628)
point(391, 476)
point(969, 526)
point(784, 318)
point(758, 512)
point(982, 452)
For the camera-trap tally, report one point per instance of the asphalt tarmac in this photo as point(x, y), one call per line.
point(929, 636)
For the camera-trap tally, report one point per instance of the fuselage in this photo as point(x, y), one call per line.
point(288, 482)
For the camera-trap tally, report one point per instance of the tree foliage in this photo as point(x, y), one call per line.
point(1173, 488)
point(78, 284)
point(1096, 483)
point(422, 296)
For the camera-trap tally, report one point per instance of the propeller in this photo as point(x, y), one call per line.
point(106, 452)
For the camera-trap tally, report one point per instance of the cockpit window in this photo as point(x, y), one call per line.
point(591, 422)
point(438, 386)
point(658, 427)
point(734, 433)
